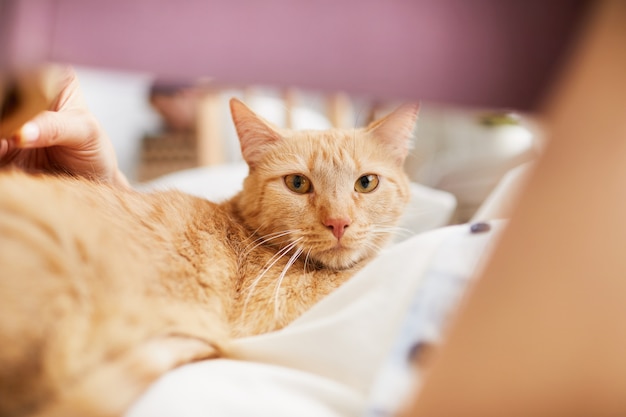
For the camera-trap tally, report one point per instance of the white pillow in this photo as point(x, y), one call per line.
point(428, 208)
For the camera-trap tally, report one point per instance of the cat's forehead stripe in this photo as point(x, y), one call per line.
point(336, 153)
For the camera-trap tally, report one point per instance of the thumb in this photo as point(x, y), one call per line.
point(71, 128)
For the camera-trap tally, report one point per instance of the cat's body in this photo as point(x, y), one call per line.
point(102, 289)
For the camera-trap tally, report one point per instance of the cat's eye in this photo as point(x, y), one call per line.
point(366, 183)
point(298, 183)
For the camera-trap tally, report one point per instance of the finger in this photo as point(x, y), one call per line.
point(4, 147)
point(71, 128)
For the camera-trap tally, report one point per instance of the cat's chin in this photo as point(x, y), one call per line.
point(340, 258)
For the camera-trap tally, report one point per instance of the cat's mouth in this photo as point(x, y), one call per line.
point(339, 248)
point(339, 245)
point(340, 256)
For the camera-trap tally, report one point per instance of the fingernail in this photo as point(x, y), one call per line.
point(29, 133)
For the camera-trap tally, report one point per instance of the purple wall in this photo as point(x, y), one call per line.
point(478, 52)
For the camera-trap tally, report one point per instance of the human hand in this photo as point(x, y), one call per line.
point(64, 139)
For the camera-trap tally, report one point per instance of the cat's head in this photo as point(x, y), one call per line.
point(335, 195)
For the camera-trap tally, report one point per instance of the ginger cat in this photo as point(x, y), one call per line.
point(103, 290)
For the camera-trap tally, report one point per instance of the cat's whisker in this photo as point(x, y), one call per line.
point(291, 261)
point(260, 241)
point(372, 246)
point(306, 259)
point(263, 240)
point(268, 265)
point(253, 234)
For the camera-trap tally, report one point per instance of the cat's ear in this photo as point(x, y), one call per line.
point(255, 133)
point(395, 130)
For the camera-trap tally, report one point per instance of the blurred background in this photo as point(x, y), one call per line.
point(158, 75)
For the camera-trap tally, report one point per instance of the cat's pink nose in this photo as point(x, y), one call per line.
point(338, 226)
